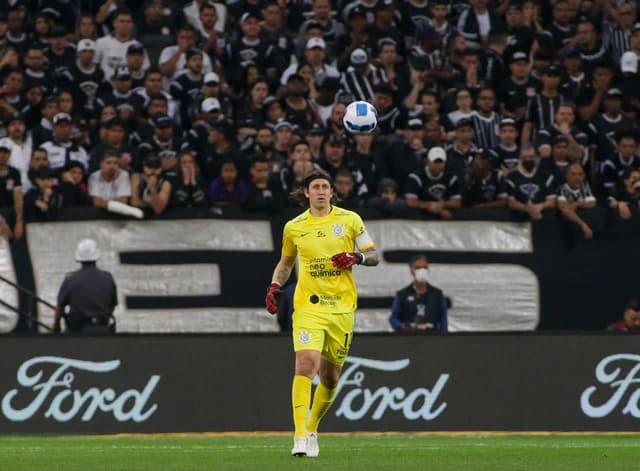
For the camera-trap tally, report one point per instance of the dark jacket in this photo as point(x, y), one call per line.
point(430, 307)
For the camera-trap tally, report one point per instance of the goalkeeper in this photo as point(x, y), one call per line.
point(324, 239)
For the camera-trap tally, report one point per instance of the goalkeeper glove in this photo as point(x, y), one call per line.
point(273, 296)
point(347, 259)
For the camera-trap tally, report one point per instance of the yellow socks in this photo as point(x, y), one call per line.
point(300, 400)
point(322, 399)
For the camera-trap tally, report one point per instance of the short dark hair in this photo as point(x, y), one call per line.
point(416, 258)
point(626, 134)
point(316, 175)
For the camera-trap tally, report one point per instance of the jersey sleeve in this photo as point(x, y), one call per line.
point(289, 249)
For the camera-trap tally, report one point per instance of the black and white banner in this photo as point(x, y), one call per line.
point(389, 383)
point(210, 275)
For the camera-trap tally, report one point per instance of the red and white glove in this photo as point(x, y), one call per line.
point(346, 260)
point(273, 295)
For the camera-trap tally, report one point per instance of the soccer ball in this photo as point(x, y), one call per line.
point(360, 117)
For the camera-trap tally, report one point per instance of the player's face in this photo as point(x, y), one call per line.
point(319, 193)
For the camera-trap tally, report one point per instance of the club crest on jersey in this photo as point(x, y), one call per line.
point(305, 337)
point(338, 230)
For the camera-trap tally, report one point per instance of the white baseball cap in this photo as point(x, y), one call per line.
point(87, 251)
point(210, 104)
point(629, 62)
point(437, 153)
point(316, 42)
point(359, 57)
point(211, 77)
point(86, 45)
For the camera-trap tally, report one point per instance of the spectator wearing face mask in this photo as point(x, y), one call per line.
point(419, 306)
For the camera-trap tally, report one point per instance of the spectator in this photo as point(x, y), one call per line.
point(576, 80)
point(39, 158)
point(612, 169)
point(332, 159)
point(188, 187)
point(60, 148)
point(590, 98)
point(115, 138)
point(43, 202)
point(34, 72)
point(631, 318)
point(588, 43)
point(84, 71)
point(627, 195)
point(435, 189)
point(187, 83)
point(111, 50)
point(386, 200)
point(606, 125)
point(11, 199)
point(164, 143)
point(173, 59)
point(135, 63)
point(59, 53)
point(477, 22)
point(576, 195)
point(462, 150)
point(264, 192)
point(344, 191)
point(420, 306)
point(120, 95)
point(228, 190)
point(297, 108)
point(151, 188)
point(484, 185)
point(251, 48)
point(507, 153)
point(541, 107)
point(361, 77)
point(72, 187)
point(516, 90)
point(463, 110)
point(485, 120)
point(390, 116)
point(152, 87)
point(11, 100)
point(530, 190)
point(20, 144)
point(564, 124)
point(109, 182)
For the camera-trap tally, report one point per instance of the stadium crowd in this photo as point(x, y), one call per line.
point(526, 104)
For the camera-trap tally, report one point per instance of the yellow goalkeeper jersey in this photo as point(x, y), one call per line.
point(314, 240)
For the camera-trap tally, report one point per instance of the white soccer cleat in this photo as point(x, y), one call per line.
point(313, 449)
point(299, 447)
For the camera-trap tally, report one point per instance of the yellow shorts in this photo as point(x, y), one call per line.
point(329, 334)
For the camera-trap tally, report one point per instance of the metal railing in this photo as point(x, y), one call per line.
point(33, 297)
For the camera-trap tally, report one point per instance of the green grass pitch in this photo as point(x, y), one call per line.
point(403, 452)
